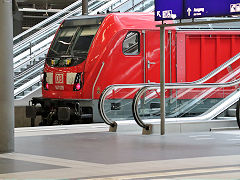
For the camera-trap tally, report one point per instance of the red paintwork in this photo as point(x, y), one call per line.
point(193, 55)
point(201, 52)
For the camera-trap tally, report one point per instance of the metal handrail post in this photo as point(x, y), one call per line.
point(162, 78)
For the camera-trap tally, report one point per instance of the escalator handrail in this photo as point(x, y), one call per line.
point(136, 5)
point(105, 93)
point(30, 59)
point(121, 4)
point(218, 69)
point(43, 31)
point(141, 91)
point(48, 19)
point(27, 85)
point(26, 73)
point(189, 105)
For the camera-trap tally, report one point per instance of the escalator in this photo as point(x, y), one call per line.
point(193, 102)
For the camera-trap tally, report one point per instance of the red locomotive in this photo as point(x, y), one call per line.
point(89, 53)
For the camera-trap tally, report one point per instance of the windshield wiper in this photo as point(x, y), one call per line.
point(65, 43)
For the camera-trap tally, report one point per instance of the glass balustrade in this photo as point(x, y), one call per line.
point(116, 102)
point(199, 101)
point(182, 103)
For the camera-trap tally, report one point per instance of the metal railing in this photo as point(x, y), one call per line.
point(188, 106)
point(218, 69)
point(46, 22)
point(141, 6)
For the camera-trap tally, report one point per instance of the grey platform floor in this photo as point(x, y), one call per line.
point(90, 152)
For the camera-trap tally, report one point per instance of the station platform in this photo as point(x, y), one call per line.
point(91, 152)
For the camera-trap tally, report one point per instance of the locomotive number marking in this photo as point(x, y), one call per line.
point(59, 87)
point(59, 78)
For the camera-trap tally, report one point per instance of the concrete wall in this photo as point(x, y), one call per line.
point(20, 117)
point(20, 110)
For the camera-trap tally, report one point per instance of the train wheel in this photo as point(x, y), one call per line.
point(238, 113)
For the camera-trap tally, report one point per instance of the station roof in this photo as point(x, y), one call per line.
point(129, 20)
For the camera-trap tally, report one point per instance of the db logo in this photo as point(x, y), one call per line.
point(59, 78)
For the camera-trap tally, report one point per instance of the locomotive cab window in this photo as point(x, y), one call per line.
point(131, 43)
point(71, 45)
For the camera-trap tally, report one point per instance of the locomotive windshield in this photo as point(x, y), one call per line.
point(72, 42)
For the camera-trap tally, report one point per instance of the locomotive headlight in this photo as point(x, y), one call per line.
point(78, 82)
point(68, 62)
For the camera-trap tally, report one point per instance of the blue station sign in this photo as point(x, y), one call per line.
point(210, 8)
point(184, 9)
point(168, 9)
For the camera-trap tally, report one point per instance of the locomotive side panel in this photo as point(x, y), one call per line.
point(101, 51)
point(153, 56)
point(121, 68)
point(205, 51)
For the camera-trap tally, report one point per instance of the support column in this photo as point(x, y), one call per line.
point(162, 78)
point(84, 7)
point(6, 78)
